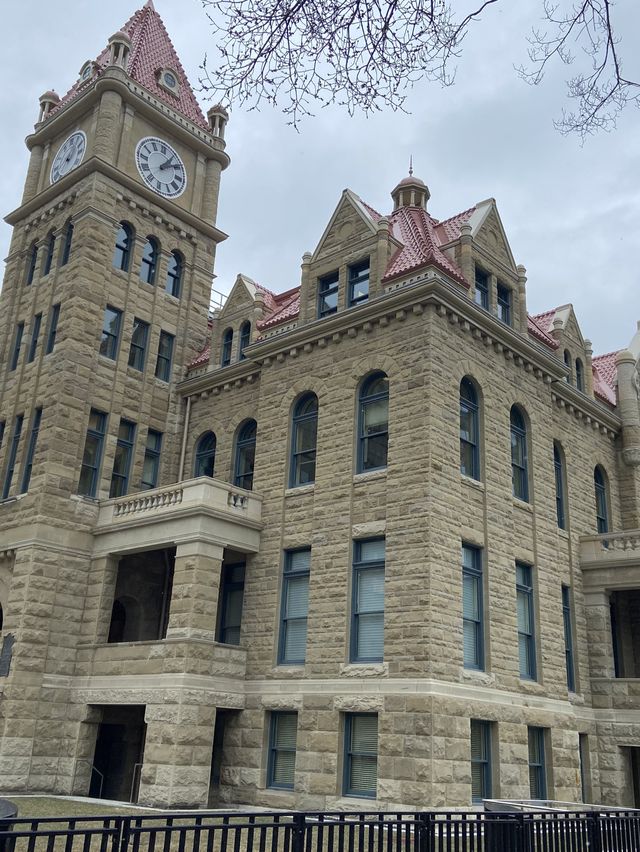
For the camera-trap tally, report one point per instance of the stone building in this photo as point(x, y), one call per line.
point(370, 542)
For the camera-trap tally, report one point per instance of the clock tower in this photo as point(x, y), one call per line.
point(104, 303)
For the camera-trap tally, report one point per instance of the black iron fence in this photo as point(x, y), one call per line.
point(610, 831)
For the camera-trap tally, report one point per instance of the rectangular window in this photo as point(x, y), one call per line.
point(35, 334)
point(110, 333)
point(537, 764)
point(232, 601)
point(367, 604)
point(13, 453)
point(122, 459)
point(568, 638)
point(31, 450)
point(151, 464)
point(283, 731)
point(361, 754)
point(138, 350)
point(480, 760)
point(504, 303)
point(526, 624)
point(472, 614)
point(359, 282)
point(165, 356)
point(17, 343)
point(482, 289)
point(92, 455)
point(53, 329)
point(328, 294)
point(295, 607)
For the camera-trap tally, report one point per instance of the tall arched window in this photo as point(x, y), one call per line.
point(558, 466)
point(304, 428)
point(227, 345)
point(579, 375)
point(48, 258)
point(149, 262)
point(33, 262)
point(66, 248)
point(245, 455)
point(469, 430)
point(602, 502)
point(567, 363)
point(245, 339)
point(519, 457)
point(174, 274)
point(123, 247)
point(205, 456)
point(373, 422)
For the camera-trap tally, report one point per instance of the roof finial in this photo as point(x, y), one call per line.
point(411, 165)
point(150, 5)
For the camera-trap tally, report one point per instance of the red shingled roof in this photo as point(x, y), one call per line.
point(537, 328)
point(604, 376)
point(151, 51)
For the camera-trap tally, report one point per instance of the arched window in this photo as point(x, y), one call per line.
point(303, 440)
point(66, 248)
point(245, 339)
point(469, 431)
point(602, 502)
point(174, 274)
point(149, 262)
point(373, 422)
point(33, 261)
point(567, 363)
point(48, 258)
point(227, 344)
point(205, 455)
point(124, 244)
point(245, 455)
point(558, 466)
point(519, 459)
point(579, 375)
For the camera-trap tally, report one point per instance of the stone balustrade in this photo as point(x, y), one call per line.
point(202, 508)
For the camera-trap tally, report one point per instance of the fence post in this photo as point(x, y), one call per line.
point(298, 832)
point(121, 837)
point(593, 830)
point(424, 833)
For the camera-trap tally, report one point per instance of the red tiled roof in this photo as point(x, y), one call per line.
point(537, 329)
point(449, 229)
point(288, 308)
point(545, 320)
point(604, 376)
point(151, 50)
point(416, 230)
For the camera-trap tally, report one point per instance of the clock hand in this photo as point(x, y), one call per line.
point(167, 164)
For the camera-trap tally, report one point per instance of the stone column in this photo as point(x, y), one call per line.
point(382, 257)
point(98, 603)
point(33, 173)
point(196, 585)
point(522, 299)
point(305, 295)
point(598, 616)
point(466, 256)
point(108, 127)
point(178, 749)
point(211, 191)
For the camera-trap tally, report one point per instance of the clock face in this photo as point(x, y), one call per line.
point(70, 155)
point(160, 167)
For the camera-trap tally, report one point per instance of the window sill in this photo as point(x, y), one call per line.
point(576, 698)
point(162, 383)
point(523, 505)
point(171, 298)
point(482, 678)
point(471, 482)
point(299, 490)
point(364, 669)
point(106, 360)
point(370, 475)
point(133, 371)
point(288, 670)
point(563, 534)
point(532, 686)
point(5, 501)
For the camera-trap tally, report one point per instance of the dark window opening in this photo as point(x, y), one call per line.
point(303, 441)
point(35, 336)
point(482, 289)
point(245, 455)
point(138, 349)
point(373, 423)
point(110, 332)
point(151, 462)
point(205, 458)
point(174, 274)
point(231, 601)
point(227, 344)
point(469, 430)
point(504, 304)
point(359, 282)
point(142, 597)
point(149, 262)
point(123, 247)
point(48, 258)
point(33, 264)
point(328, 294)
point(118, 753)
point(53, 329)
point(245, 339)
point(602, 502)
point(165, 356)
point(122, 459)
point(92, 455)
point(66, 248)
point(519, 456)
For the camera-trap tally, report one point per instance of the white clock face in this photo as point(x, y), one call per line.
point(160, 167)
point(70, 155)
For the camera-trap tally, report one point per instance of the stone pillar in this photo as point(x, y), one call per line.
point(211, 191)
point(588, 367)
point(108, 127)
point(466, 256)
point(33, 173)
point(98, 602)
point(382, 257)
point(196, 585)
point(305, 290)
point(178, 749)
point(522, 299)
point(598, 617)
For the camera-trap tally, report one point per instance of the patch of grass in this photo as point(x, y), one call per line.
point(42, 807)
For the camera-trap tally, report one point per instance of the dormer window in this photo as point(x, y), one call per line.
point(503, 295)
point(328, 294)
point(168, 79)
point(359, 282)
point(87, 71)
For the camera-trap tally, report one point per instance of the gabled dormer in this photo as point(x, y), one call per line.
point(573, 350)
point(234, 326)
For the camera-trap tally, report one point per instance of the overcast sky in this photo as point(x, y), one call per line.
point(571, 213)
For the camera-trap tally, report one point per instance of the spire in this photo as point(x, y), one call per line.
point(411, 165)
point(152, 62)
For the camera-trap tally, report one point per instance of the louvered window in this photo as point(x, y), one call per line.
point(361, 754)
point(295, 607)
point(472, 614)
point(480, 760)
point(526, 626)
point(537, 767)
point(367, 633)
point(282, 750)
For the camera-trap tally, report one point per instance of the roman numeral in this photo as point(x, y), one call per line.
point(175, 184)
point(163, 148)
point(154, 146)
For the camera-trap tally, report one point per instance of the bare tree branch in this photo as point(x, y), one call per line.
point(367, 54)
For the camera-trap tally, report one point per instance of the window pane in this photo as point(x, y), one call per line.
point(295, 640)
point(371, 551)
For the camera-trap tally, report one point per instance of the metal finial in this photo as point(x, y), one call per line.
point(411, 165)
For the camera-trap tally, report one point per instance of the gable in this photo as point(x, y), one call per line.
point(241, 299)
point(489, 233)
point(349, 226)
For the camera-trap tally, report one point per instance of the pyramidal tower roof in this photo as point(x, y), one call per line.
point(151, 52)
